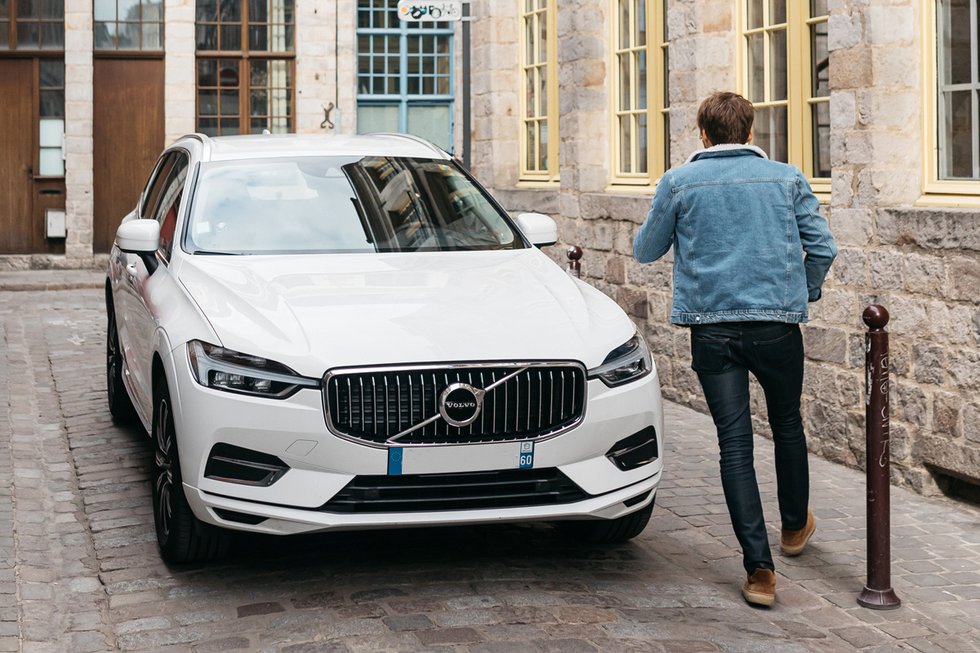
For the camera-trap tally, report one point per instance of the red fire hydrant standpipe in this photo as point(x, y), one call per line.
point(878, 593)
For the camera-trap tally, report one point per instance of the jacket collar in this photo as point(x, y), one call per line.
point(727, 149)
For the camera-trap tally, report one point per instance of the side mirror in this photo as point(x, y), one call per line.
point(140, 237)
point(540, 229)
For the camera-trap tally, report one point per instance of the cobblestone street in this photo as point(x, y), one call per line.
point(79, 569)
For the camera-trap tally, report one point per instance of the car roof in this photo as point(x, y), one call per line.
point(254, 146)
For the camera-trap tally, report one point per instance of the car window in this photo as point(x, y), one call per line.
point(158, 178)
point(343, 204)
point(166, 213)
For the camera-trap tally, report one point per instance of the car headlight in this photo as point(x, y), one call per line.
point(628, 362)
point(231, 371)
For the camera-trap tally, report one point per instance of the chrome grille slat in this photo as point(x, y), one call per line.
point(531, 401)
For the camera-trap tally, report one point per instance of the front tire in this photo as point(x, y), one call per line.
point(182, 537)
point(609, 531)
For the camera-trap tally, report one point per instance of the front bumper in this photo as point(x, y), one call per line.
point(321, 464)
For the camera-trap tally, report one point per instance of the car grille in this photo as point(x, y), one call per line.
point(468, 491)
point(375, 405)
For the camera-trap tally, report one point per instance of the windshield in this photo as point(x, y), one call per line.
point(342, 204)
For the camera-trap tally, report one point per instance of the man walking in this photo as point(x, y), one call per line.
point(740, 225)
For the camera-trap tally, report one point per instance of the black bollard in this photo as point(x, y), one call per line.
point(574, 266)
point(878, 593)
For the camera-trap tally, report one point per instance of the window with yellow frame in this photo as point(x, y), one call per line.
point(539, 91)
point(641, 118)
point(952, 107)
point(785, 74)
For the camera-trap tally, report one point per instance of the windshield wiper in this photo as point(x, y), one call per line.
point(210, 253)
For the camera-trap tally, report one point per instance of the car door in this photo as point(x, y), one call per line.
point(123, 270)
point(144, 312)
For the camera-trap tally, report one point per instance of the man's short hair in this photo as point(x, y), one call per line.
point(726, 118)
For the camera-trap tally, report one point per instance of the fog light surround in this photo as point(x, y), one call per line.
point(635, 451)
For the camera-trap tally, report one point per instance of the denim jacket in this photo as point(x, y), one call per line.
point(740, 225)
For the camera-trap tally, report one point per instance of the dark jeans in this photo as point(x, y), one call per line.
point(723, 355)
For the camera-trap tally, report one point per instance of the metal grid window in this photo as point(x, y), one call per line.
point(641, 133)
point(786, 74)
point(404, 74)
point(245, 60)
point(958, 86)
point(32, 25)
point(539, 88)
point(51, 113)
point(128, 25)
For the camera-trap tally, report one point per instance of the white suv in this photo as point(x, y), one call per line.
point(349, 332)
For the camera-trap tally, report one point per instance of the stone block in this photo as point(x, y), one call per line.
point(851, 226)
point(964, 369)
point(928, 362)
point(633, 301)
point(886, 269)
point(947, 409)
point(929, 228)
point(939, 452)
point(909, 403)
point(825, 344)
point(842, 188)
point(971, 422)
point(843, 109)
point(952, 323)
point(925, 274)
point(964, 278)
point(616, 270)
point(851, 267)
point(656, 275)
point(890, 25)
point(843, 31)
point(852, 68)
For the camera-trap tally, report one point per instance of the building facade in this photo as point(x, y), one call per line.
point(576, 108)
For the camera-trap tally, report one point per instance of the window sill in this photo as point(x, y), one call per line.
point(538, 184)
point(949, 201)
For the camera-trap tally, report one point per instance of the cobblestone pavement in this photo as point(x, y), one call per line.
point(79, 569)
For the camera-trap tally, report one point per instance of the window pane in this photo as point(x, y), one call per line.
point(129, 36)
point(957, 32)
point(52, 165)
point(207, 103)
point(530, 135)
point(229, 126)
point(756, 68)
point(543, 91)
point(754, 14)
point(531, 93)
point(777, 59)
point(542, 38)
point(375, 118)
point(129, 9)
point(53, 103)
point(821, 139)
point(231, 37)
point(641, 143)
point(52, 36)
point(52, 132)
point(152, 38)
point(641, 23)
point(208, 126)
point(27, 35)
point(52, 74)
point(957, 127)
point(818, 8)
point(641, 80)
point(625, 83)
point(820, 61)
point(543, 145)
point(625, 143)
point(207, 10)
point(229, 103)
point(4, 34)
point(153, 10)
point(105, 10)
point(431, 123)
point(207, 37)
point(105, 36)
point(624, 23)
point(258, 11)
point(27, 9)
point(52, 9)
point(770, 132)
point(230, 11)
point(777, 11)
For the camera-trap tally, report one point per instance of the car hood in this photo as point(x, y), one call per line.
point(314, 313)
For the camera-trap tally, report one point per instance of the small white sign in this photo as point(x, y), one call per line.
point(55, 223)
point(422, 12)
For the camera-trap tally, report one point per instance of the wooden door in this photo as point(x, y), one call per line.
point(17, 129)
point(128, 137)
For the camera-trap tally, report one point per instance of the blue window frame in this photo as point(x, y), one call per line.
point(404, 74)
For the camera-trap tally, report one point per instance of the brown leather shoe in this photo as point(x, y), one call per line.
point(760, 588)
point(792, 543)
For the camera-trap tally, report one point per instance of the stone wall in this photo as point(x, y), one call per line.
point(922, 263)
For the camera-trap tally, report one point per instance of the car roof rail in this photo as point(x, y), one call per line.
point(416, 139)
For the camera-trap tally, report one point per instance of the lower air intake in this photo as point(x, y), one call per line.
point(469, 491)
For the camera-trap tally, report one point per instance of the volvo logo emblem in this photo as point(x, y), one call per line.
point(460, 404)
